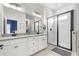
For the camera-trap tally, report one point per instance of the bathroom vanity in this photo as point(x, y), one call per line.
point(22, 45)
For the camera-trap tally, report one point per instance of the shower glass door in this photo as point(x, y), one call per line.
point(64, 30)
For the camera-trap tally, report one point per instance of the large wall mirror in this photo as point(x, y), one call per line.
point(23, 26)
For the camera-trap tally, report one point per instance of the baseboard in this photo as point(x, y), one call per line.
point(52, 44)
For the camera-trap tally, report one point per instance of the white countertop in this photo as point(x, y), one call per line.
point(20, 36)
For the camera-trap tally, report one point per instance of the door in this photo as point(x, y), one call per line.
point(33, 45)
point(40, 43)
point(52, 30)
point(64, 30)
point(44, 42)
point(22, 49)
point(36, 44)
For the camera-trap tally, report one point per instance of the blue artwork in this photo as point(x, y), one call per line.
point(13, 25)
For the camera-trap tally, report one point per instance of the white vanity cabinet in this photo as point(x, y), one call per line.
point(23, 46)
point(36, 44)
point(16, 48)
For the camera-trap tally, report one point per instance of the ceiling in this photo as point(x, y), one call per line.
point(39, 7)
point(30, 7)
point(55, 6)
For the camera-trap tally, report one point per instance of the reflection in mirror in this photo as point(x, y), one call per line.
point(11, 26)
point(36, 27)
point(28, 26)
point(39, 28)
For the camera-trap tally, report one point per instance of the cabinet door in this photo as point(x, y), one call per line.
point(36, 44)
point(44, 42)
point(40, 43)
point(8, 51)
point(33, 45)
point(22, 49)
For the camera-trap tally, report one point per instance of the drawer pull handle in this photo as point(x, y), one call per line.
point(16, 46)
point(1, 46)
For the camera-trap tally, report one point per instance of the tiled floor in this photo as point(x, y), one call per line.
point(48, 52)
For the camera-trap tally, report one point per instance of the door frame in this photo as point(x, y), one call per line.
point(71, 29)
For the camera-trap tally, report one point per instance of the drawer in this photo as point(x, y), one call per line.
point(15, 41)
point(45, 37)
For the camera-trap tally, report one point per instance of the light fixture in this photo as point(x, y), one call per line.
point(36, 14)
point(20, 9)
point(13, 7)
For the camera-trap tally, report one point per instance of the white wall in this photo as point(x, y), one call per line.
point(65, 9)
point(1, 19)
point(49, 12)
point(77, 25)
point(16, 15)
point(77, 16)
point(44, 19)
